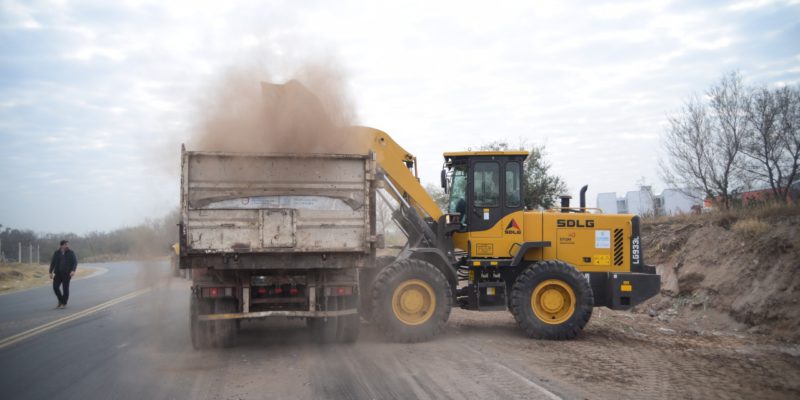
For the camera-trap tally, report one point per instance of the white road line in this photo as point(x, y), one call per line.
point(50, 325)
point(530, 382)
point(521, 377)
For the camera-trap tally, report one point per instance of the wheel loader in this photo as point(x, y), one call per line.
point(486, 252)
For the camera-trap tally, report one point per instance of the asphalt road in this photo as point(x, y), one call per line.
point(126, 336)
point(139, 348)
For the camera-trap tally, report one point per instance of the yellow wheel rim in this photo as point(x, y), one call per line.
point(413, 302)
point(553, 301)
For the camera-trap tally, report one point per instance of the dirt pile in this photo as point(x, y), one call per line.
point(737, 270)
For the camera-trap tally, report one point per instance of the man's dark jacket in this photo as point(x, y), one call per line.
point(69, 264)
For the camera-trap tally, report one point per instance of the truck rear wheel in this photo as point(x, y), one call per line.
point(411, 301)
point(201, 332)
point(344, 329)
point(348, 328)
point(224, 330)
point(551, 300)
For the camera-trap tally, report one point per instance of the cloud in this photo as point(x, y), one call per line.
point(103, 93)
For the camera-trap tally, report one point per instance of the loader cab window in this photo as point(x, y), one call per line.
point(458, 193)
point(513, 195)
point(487, 184)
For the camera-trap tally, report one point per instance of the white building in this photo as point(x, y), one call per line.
point(644, 202)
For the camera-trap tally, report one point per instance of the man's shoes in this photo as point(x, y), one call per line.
point(58, 306)
point(61, 306)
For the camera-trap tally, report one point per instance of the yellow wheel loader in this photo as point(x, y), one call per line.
point(486, 252)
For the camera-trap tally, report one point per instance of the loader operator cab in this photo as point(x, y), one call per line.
point(484, 186)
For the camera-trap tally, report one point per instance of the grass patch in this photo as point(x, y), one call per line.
point(750, 226)
point(734, 215)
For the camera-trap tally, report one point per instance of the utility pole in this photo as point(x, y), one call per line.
point(38, 254)
point(19, 258)
point(30, 253)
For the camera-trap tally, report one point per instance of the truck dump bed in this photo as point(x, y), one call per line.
point(259, 210)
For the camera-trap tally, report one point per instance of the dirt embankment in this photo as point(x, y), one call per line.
point(737, 270)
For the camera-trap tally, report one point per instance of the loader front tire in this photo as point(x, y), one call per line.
point(551, 300)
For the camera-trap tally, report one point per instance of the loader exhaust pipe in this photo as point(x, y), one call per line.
point(583, 197)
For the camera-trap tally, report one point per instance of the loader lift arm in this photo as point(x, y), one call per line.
point(418, 215)
point(397, 163)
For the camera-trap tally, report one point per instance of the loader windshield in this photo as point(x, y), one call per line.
point(458, 192)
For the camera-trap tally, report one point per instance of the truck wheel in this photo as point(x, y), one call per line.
point(200, 332)
point(348, 328)
point(366, 277)
point(551, 300)
point(411, 301)
point(224, 330)
point(325, 329)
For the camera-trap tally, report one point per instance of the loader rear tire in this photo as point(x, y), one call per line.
point(411, 301)
point(551, 300)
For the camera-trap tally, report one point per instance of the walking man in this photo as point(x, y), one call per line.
point(62, 268)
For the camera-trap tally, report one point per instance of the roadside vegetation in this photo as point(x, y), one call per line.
point(15, 277)
point(149, 239)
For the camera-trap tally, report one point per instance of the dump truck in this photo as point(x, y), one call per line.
point(275, 235)
point(257, 223)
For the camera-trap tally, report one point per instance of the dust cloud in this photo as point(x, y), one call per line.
point(245, 111)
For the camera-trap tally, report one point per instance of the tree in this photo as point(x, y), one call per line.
point(704, 142)
point(541, 187)
point(438, 195)
point(781, 145)
point(687, 144)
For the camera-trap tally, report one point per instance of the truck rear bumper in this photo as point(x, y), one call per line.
point(277, 313)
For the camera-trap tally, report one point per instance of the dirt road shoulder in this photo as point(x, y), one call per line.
point(16, 277)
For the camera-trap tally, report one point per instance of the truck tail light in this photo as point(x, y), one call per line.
point(293, 291)
point(216, 292)
point(339, 291)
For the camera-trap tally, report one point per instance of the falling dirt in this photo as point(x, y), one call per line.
point(246, 112)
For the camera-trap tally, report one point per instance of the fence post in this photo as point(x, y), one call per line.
point(19, 258)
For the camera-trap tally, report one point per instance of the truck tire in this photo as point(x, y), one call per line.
point(411, 301)
point(325, 330)
point(224, 330)
point(348, 328)
point(551, 300)
point(201, 332)
point(366, 277)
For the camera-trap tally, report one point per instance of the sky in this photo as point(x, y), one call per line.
point(96, 96)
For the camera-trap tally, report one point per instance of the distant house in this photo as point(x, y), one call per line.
point(760, 195)
point(644, 202)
